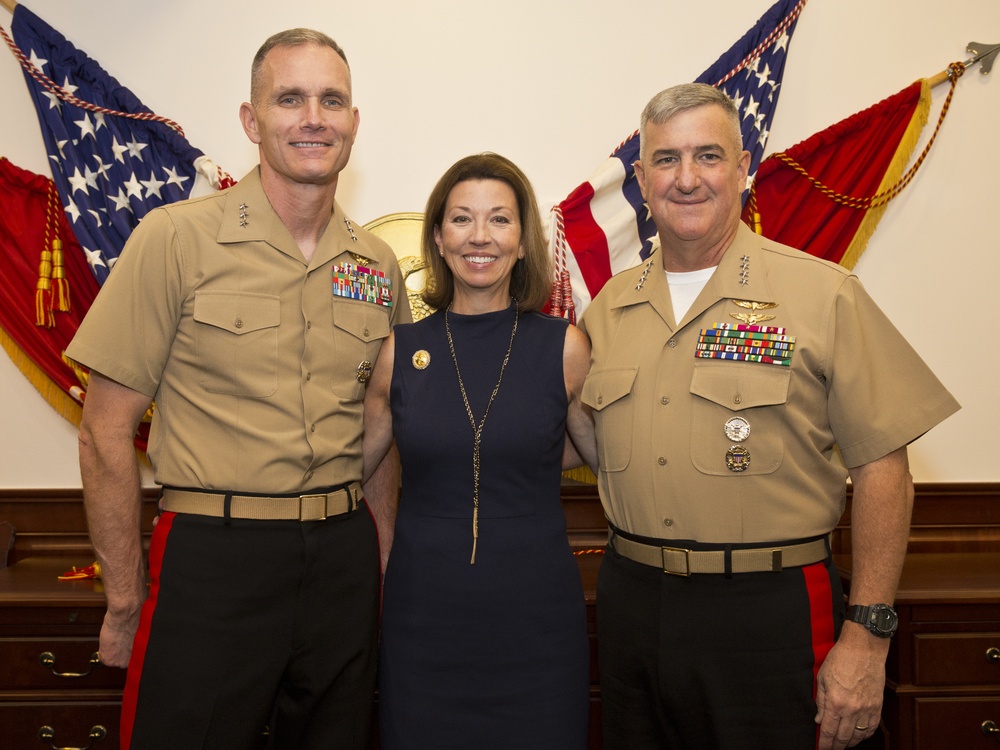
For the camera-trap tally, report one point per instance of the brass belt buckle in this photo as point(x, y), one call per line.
point(312, 507)
point(776, 561)
point(686, 573)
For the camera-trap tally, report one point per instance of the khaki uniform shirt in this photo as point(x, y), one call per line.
point(253, 362)
point(855, 392)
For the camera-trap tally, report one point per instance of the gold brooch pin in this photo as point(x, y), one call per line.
point(421, 358)
point(364, 371)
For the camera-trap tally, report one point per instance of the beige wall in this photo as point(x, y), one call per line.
point(556, 86)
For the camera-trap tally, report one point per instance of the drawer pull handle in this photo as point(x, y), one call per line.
point(48, 659)
point(990, 729)
point(993, 654)
point(47, 734)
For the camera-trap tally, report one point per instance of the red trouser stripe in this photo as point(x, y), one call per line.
point(817, 581)
point(141, 640)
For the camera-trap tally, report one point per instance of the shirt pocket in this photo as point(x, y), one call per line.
point(754, 392)
point(609, 394)
point(236, 341)
point(359, 328)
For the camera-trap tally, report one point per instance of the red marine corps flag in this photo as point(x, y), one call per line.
point(811, 196)
point(34, 231)
point(827, 194)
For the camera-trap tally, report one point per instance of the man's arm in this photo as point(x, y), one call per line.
point(851, 681)
point(381, 468)
point(113, 500)
point(579, 420)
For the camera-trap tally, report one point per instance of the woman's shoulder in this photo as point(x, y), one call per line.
point(545, 321)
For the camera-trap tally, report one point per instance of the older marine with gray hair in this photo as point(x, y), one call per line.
point(736, 384)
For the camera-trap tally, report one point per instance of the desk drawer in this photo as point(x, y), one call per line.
point(71, 724)
point(955, 723)
point(22, 667)
point(957, 659)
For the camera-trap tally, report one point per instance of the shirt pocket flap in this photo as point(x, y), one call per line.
point(362, 320)
point(738, 386)
point(237, 312)
point(604, 387)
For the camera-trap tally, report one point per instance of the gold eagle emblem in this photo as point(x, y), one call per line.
point(752, 317)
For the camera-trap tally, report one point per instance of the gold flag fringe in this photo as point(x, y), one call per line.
point(874, 205)
point(65, 406)
point(892, 176)
point(582, 474)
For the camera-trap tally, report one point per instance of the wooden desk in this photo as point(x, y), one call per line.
point(943, 669)
point(48, 636)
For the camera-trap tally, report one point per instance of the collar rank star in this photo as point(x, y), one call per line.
point(347, 222)
point(645, 273)
point(243, 216)
point(752, 318)
point(744, 270)
point(362, 283)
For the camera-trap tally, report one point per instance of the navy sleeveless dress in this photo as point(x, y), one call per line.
point(495, 654)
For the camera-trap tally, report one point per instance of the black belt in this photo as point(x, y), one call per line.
point(683, 562)
point(305, 507)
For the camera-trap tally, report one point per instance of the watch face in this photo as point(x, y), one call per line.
point(884, 620)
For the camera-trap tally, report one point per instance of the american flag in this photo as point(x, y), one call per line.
point(603, 226)
point(110, 170)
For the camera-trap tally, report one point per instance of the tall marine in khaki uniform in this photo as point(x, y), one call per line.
point(736, 384)
point(253, 318)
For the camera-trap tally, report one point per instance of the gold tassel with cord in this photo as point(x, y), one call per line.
point(60, 294)
point(43, 292)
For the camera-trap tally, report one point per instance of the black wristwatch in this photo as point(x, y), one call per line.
point(880, 619)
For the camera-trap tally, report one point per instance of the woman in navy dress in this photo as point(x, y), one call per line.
point(484, 641)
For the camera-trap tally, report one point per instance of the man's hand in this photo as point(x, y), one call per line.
point(117, 634)
point(849, 688)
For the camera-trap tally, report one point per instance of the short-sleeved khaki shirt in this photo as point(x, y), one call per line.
point(729, 451)
point(251, 358)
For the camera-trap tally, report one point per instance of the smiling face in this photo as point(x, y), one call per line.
point(479, 238)
point(303, 120)
point(692, 175)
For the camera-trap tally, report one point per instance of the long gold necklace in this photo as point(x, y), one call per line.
point(477, 432)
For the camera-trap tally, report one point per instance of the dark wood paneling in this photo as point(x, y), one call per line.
point(951, 520)
point(53, 522)
point(947, 517)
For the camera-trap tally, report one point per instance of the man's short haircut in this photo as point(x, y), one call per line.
point(675, 99)
point(289, 38)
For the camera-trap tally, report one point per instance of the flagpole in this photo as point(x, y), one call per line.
point(988, 55)
point(9, 4)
